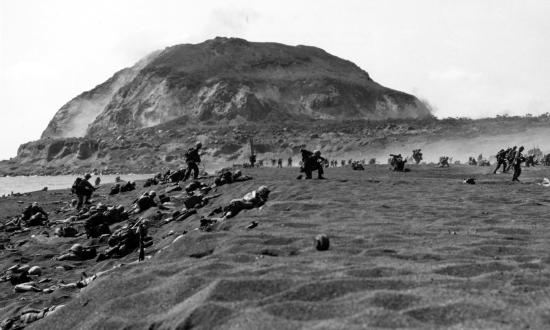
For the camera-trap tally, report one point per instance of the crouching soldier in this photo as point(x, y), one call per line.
point(397, 162)
point(83, 190)
point(443, 161)
point(34, 215)
point(312, 162)
point(128, 186)
point(97, 223)
point(501, 161)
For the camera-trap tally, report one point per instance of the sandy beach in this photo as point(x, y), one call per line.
point(407, 250)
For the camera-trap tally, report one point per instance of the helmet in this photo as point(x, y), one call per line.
point(316, 152)
point(263, 189)
point(238, 173)
point(152, 193)
point(101, 207)
point(24, 268)
point(87, 176)
point(35, 270)
point(76, 248)
point(58, 231)
point(199, 145)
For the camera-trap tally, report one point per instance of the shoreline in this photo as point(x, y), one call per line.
point(34, 183)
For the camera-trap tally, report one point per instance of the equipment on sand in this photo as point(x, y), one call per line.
point(322, 242)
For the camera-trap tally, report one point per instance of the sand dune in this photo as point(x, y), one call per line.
point(408, 250)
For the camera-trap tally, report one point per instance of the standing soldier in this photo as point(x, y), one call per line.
point(252, 160)
point(501, 160)
point(510, 156)
point(280, 163)
point(417, 156)
point(289, 162)
point(192, 158)
point(252, 157)
point(518, 159)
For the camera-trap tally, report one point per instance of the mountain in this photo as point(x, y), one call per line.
point(231, 81)
point(225, 91)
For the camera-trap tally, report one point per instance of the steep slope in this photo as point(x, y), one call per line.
point(232, 81)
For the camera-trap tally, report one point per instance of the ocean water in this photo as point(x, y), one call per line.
point(21, 184)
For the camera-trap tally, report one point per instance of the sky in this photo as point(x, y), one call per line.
point(468, 58)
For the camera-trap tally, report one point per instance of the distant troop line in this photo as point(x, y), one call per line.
point(510, 158)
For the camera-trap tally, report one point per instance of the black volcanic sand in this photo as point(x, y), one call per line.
point(407, 250)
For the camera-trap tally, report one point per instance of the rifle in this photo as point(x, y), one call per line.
point(207, 198)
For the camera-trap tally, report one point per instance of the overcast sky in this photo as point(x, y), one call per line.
point(466, 58)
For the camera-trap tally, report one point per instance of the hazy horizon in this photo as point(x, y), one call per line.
point(466, 59)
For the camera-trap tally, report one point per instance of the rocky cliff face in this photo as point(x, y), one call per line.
point(231, 81)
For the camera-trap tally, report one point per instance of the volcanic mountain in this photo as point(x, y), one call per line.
point(231, 81)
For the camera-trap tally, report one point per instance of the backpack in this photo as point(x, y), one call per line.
point(189, 155)
point(306, 154)
point(76, 186)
